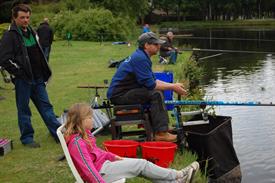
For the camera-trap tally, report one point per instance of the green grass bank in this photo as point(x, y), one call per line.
point(219, 24)
point(83, 63)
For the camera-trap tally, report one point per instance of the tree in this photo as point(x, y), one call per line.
point(165, 5)
point(76, 5)
point(133, 9)
point(5, 13)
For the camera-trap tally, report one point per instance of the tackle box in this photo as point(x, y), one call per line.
point(5, 146)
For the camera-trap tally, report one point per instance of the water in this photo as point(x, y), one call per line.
point(243, 77)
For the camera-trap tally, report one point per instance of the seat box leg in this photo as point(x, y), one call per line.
point(113, 129)
point(147, 127)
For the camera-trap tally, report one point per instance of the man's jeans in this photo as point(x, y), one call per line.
point(173, 56)
point(36, 91)
point(158, 112)
point(47, 51)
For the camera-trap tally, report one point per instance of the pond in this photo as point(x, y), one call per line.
point(242, 77)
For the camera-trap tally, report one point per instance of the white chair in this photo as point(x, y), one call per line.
point(77, 177)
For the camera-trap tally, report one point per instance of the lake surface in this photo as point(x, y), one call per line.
point(242, 77)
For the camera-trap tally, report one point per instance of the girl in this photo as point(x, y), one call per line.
point(97, 166)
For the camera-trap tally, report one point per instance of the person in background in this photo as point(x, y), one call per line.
point(1, 71)
point(45, 34)
point(97, 165)
point(21, 55)
point(69, 37)
point(146, 28)
point(135, 83)
point(167, 50)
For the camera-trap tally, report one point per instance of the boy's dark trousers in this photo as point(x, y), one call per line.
point(158, 112)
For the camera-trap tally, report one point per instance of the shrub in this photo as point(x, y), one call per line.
point(52, 7)
point(92, 25)
point(38, 18)
point(75, 5)
point(39, 12)
point(191, 72)
point(3, 28)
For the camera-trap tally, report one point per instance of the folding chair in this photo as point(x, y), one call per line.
point(77, 177)
point(100, 119)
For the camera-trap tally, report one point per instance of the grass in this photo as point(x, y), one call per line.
point(3, 27)
point(220, 24)
point(81, 64)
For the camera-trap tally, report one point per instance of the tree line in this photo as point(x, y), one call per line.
point(183, 9)
point(133, 9)
point(91, 20)
point(217, 9)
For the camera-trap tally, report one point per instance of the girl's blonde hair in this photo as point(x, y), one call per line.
point(75, 117)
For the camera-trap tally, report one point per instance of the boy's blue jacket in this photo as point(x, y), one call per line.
point(134, 72)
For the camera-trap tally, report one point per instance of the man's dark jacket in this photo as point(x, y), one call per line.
point(14, 56)
point(45, 34)
point(164, 49)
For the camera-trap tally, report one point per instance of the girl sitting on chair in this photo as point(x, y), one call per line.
point(98, 166)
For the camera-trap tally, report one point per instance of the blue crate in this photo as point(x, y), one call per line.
point(168, 94)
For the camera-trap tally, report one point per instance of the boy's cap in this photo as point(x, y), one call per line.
point(149, 37)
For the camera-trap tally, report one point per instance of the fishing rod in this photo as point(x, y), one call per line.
point(204, 103)
point(226, 51)
point(210, 56)
point(234, 39)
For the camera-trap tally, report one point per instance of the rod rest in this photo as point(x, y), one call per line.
point(204, 120)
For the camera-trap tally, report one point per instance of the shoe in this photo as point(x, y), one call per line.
point(165, 136)
point(61, 157)
point(189, 172)
point(32, 145)
point(162, 60)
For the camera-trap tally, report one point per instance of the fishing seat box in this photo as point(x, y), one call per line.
point(168, 94)
point(5, 146)
point(130, 115)
point(213, 144)
point(128, 112)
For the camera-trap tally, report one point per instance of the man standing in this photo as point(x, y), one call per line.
point(146, 28)
point(22, 56)
point(45, 34)
point(135, 83)
point(69, 37)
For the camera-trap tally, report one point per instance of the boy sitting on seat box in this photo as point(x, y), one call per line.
point(135, 83)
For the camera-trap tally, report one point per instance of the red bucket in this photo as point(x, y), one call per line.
point(124, 148)
point(160, 153)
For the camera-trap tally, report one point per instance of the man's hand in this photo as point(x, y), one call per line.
point(179, 89)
